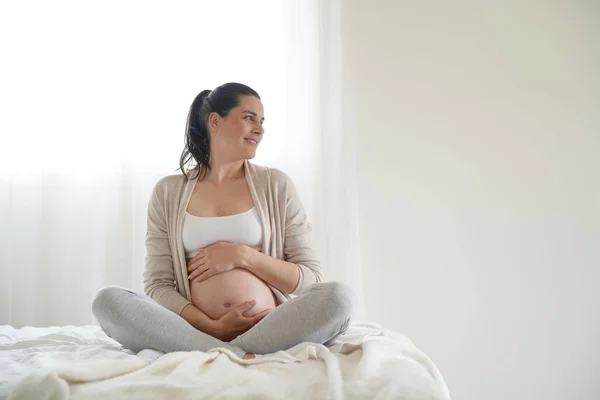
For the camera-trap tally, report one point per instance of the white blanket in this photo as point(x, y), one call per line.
point(368, 362)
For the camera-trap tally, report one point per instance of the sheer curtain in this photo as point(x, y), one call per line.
point(94, 102)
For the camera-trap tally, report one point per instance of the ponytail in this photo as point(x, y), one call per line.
point(197, 139)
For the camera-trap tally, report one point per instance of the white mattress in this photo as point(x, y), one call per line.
point(68, 362)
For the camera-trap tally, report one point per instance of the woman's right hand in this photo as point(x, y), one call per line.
point(234, 323)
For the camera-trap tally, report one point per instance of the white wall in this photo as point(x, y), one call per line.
point(479, 174)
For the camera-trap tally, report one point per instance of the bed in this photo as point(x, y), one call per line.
point(81, 362)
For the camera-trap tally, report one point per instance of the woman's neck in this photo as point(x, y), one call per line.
point(224, 171)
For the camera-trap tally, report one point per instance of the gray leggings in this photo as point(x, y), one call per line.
point(319, 315)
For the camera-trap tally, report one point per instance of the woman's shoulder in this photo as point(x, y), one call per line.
point(264, 174)
point(170, 183)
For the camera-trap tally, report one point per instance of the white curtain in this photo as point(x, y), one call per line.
point(94, 99)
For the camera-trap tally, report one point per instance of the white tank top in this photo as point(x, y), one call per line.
point(199, 232)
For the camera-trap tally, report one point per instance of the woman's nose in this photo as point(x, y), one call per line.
point(259, 129)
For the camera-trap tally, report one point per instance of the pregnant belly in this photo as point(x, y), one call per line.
point(220, 293)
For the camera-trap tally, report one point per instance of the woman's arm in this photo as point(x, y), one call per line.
point(199, 320)
point(278, 273)
point(159, 274)
point(300, 268)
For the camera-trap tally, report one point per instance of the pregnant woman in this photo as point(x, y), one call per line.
point(229, 257)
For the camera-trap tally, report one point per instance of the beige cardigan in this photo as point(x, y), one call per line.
point(286, 233)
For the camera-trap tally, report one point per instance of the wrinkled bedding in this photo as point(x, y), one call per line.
point(69, 362)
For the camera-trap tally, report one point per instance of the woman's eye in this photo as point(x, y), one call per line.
point(249, 117)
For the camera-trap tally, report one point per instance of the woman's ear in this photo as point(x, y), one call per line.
point(214, 121)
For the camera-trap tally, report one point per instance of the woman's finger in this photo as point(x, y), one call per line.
point(205, 275)
point(198, 272)
point(201, 253)
point(199, 256)
point(196, 265)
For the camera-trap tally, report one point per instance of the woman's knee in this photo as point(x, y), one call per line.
point(107, 299)
point(339, 297)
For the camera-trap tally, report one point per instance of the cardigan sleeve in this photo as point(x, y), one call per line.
point(159, 275)
point(298, 242)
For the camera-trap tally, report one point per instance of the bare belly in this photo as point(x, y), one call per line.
point(220, 293)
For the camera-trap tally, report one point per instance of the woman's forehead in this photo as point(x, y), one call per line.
point(251, 104)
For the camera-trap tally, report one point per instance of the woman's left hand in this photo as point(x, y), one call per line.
point(215, 259)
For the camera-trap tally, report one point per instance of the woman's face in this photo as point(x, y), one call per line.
point(237, 136)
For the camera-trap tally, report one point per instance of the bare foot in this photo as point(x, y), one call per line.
point(248, 356)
